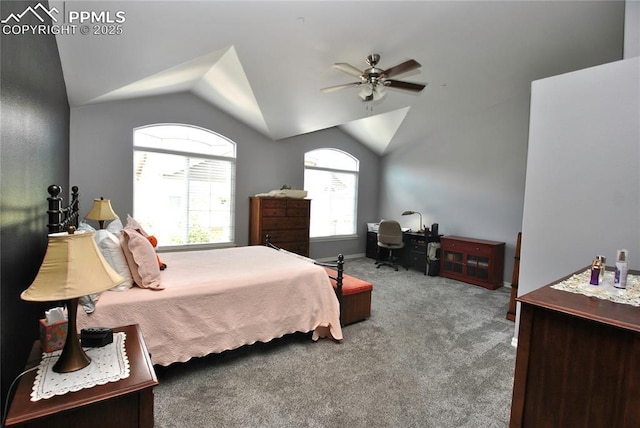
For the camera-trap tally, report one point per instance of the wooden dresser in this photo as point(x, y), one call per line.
point(285, 220)
point(476, 261)
point(577, 363)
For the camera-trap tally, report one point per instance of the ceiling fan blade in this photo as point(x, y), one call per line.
point(348, 68)
point(402, 68)
point(346, 85)
point(416, 87)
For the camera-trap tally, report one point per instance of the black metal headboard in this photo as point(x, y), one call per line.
point(61, 217)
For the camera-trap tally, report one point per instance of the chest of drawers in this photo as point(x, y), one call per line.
point(285, 220)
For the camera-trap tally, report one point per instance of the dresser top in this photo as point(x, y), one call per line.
point(592, 308)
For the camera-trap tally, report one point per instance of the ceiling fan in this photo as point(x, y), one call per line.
point(374, 81)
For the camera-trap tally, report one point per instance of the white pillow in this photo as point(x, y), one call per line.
point(109, 246)
point(85, 226)
point(115, 226)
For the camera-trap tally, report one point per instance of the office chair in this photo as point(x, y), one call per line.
point(389, 238)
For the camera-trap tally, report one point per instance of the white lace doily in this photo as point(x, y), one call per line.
point(579, 283)
point(108, 364)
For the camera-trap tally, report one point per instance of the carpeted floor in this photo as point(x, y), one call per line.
point(435, 353)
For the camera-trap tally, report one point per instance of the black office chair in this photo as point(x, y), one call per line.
point(389, 238)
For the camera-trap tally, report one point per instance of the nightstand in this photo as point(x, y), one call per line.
point(125, 403)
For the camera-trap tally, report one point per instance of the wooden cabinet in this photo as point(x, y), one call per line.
point(476, 261)
point(577, 363)
point(285, 220)
point(127, 403)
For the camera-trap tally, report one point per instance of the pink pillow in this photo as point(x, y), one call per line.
point(132, 223)
point(142, 259)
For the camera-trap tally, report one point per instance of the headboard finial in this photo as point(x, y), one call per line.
point(60, 217)
point(54, 190)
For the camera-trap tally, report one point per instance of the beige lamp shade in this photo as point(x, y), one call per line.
point(73, 267)
point(101, 210)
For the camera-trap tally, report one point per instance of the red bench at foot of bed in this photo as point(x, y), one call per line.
point(356, 298)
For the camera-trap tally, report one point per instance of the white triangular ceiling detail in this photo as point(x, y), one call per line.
point(376, 132)
point(175, 79)
point(217, 78)
point(226, 86)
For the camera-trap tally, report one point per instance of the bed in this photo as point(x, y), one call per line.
point(216, 300)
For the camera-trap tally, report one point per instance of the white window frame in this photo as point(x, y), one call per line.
point(316, 203)
point(192, 155)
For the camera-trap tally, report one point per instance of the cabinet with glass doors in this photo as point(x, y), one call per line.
point(471, 260)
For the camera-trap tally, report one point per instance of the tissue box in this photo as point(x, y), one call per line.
point(52, 336)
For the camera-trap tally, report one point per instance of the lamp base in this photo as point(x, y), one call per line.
point(72, 357)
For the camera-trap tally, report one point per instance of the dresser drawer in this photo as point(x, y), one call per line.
point(274, 203)
point(274, 212)
point(278, 236)
point(298, 203)
point(465, 247)
point(279, 223)
point(298, 212)
point(418, 248)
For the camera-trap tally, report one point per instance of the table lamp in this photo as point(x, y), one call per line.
point(421, 228)
point(72, 267)
point(101, 211)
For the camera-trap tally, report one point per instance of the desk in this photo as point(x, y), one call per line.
point(125, 403)
point(414, 253)
point(577, 362)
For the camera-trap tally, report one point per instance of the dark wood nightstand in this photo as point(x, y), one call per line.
point(125, 403)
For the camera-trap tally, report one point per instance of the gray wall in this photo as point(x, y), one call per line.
point(101, 160)
point(631, 28)
point(34, 154)
point(468, 178)
point(582, 195)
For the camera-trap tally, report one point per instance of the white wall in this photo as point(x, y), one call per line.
point(468, 178)
point(582, 194)
point(101, 160)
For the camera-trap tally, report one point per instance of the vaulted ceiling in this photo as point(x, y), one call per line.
point(264, 62)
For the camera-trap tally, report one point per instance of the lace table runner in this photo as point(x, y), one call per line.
point(108, 364)
point(579, 283)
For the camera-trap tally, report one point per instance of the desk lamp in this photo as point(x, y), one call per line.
point(421, 229)
point(72, 267)
point(101, 211)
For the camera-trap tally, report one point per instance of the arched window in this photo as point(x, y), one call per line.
point(184, 184)
point(331, 178)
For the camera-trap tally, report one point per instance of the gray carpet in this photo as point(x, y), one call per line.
point(435, 353)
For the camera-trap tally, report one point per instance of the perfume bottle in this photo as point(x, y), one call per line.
point(622, 269)
point(595, 272)
point(603, 266)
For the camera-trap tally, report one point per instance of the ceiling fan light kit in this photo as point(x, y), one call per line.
point(374, 81)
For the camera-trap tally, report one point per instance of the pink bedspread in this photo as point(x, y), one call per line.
point(216, 300)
